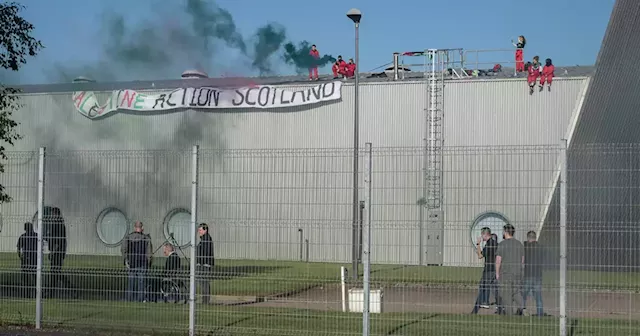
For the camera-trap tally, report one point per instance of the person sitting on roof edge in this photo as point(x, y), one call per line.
point(534, 72)
point(547, 74)
point(350, 69)
point(338, 67)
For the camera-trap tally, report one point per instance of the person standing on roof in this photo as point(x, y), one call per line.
point(547, 74)
point(534, 73)
point(313, 68)
point(520, 52)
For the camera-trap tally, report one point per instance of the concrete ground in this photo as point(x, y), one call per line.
point(460, 301)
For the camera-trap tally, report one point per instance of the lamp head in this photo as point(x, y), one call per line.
point(355, 15)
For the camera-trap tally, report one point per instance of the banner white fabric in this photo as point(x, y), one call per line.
point(259, 97)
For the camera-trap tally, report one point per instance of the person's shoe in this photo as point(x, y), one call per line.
point(549, 88)
point(524, 312)
point(484, 306)
point(530, 90)
point(541, 88)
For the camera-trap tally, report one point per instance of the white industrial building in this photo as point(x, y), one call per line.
point(272, 179)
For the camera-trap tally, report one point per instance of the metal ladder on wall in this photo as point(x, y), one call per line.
point(434, 74)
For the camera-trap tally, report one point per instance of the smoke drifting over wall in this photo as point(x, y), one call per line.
point(181, 35)
point(197, 34)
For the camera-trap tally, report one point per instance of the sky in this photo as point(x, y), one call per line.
point(568, 31)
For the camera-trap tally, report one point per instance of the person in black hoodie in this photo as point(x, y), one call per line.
point(28, 253)
point(204, 262)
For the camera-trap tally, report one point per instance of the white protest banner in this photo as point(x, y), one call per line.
point(258, 97)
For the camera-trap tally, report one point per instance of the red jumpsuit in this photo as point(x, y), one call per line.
point(534, 73)
point(519, 57)
point(350, 70)
point(547, 74)
point(338, 68)
point(313, 70)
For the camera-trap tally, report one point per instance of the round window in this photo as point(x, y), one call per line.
point(112, 226)
point(177, 227)
point(491, 220)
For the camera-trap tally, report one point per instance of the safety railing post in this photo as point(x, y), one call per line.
point(563, 238)
point(366, 246)
point(194, 224)
point(40, 226)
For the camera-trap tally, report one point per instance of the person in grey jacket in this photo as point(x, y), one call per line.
point(204, 262)
point(137, 252)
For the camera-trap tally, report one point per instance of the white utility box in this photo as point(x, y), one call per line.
point(356, 300)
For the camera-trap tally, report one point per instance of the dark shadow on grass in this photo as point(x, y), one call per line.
point(416, 321)
point(110, 284)
point(61, 323)
point(573, 327)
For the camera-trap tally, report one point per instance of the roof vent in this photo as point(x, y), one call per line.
point(82, 79)
point(194, 74)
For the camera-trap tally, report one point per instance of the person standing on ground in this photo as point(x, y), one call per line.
point(204, 262)
point(509, 271)
point(137, 252)
point(488, 279)
point(533, 259)
point(28, 253)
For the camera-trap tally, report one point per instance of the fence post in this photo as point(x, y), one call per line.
point(194, 224)
point(366, 241)
point(40, 238)
point(563, 238)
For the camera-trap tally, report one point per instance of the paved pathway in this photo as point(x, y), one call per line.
point(460, 301)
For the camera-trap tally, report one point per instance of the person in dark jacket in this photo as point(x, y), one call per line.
point(28, 253)
point(204, 262)
point(56, 236)
point(533, 259)
point(172, 264)
point(137, 252)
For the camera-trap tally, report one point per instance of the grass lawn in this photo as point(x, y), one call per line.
point(109, 318)
point(98, 276)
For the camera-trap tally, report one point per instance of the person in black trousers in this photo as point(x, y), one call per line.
point(204, 262)
point(28, 253)
point(488, 279)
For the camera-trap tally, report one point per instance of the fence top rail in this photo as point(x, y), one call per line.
point(282, 151)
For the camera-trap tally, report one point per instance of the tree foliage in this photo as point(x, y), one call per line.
point(16, 45)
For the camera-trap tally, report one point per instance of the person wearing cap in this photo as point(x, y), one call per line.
point(28, 253)
point(137, 252)
point(204, 261)
point(509, 271)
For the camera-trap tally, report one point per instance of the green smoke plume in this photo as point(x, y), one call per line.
point(193, 34)
point(300, 58)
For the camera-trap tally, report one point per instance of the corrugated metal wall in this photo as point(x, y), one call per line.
point(259, 197)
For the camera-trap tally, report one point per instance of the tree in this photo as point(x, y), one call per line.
point(16, 44)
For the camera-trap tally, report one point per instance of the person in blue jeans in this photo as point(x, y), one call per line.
point(488, 280)
point(533, 262)
point(137, 253)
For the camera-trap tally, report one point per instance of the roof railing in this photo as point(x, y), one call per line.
point(454, 63)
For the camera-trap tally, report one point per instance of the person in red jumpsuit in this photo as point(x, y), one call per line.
point(547, 74)
point(520, 53)
point(534, 73)
point(350, 69)
point(338, 67)
point(313, 69)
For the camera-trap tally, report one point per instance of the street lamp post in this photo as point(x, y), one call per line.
point(355, 15)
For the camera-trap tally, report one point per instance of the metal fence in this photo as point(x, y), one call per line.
point(284, 241)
